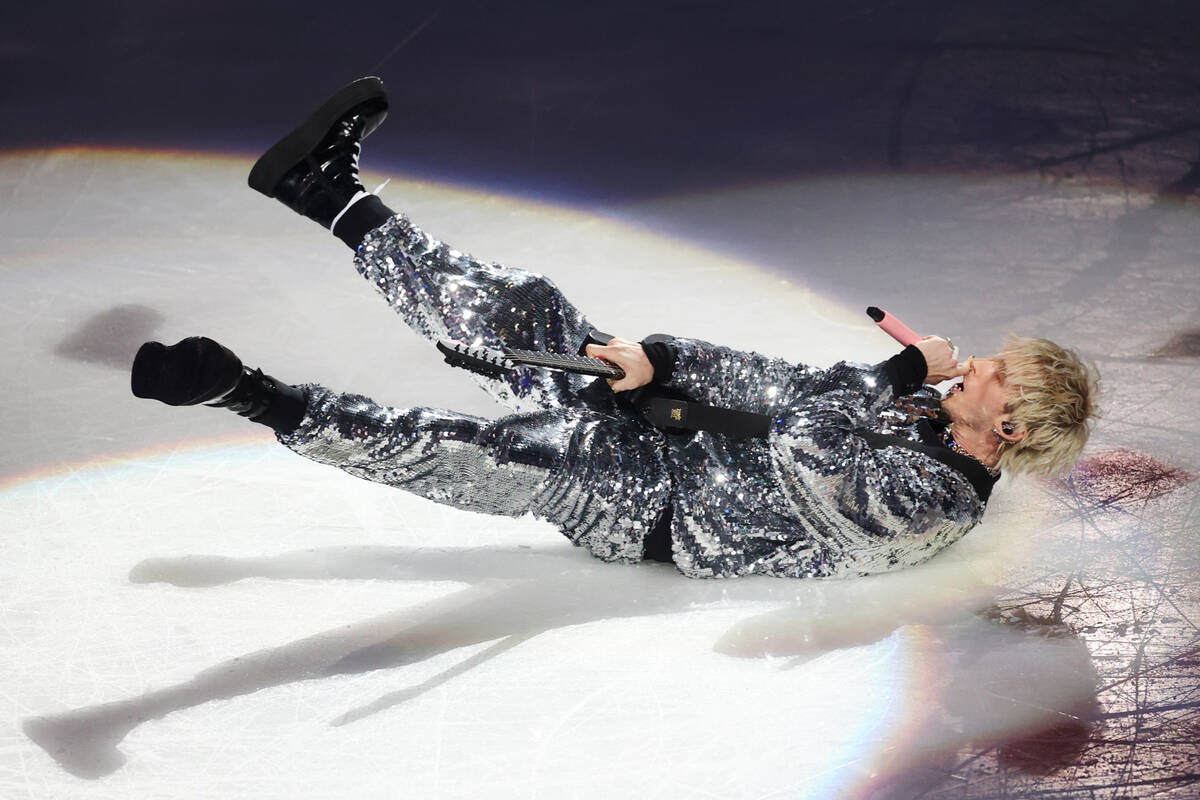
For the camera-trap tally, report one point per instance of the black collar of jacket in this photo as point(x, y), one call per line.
point(932, 445)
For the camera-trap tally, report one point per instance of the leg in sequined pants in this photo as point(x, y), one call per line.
point(592, 471)
point(441, 292)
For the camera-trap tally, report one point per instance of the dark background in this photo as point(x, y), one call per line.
point(608, 102)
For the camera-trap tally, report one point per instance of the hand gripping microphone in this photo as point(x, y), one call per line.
point(893, 327)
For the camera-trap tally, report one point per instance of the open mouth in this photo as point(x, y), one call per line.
point(956, 388)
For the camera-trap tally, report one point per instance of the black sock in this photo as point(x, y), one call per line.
point(360, 219)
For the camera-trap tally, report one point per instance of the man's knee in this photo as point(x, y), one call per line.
point(535, 439)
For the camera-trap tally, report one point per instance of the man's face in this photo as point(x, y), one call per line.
point(980, 399)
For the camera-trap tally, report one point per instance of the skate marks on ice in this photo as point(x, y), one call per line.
point(1118, 579)
point(1120, 479)
point(994, 675)
point(84, 741)
point(527, 594)
point(515, 596)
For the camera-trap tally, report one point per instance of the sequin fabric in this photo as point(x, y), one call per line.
point(441, 292)
point(812, 500)
point(597, 477)
point(568, 455)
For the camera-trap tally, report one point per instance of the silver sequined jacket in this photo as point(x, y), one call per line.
point(814, 499)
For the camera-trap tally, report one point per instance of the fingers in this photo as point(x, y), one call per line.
point(630, 358)
point(952, 350)
point(956, 371)
point(603, 351)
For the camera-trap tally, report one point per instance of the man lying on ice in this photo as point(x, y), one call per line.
point(862, 469)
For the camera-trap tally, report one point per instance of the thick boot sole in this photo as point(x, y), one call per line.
point(292, 149)
point(190, 372)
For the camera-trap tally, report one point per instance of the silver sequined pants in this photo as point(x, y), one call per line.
point(568, 456)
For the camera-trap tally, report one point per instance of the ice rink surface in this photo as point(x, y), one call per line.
point(191, 610)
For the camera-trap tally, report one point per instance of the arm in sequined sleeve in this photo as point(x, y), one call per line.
point(862, 391)
point(728, 378)
point(749, 381)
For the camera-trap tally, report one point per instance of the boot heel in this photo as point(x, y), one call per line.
point(147, 367)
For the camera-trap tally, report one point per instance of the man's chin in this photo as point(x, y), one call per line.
point(952, 405)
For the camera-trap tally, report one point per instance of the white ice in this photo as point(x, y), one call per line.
point(189, 610)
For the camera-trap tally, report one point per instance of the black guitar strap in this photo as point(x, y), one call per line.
point(677, 415)
point(684, 415)
point(672, 413)
point(681, 415)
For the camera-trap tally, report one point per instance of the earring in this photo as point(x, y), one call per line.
point(1008, 428)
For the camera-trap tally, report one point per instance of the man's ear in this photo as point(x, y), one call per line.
point(1007, 431)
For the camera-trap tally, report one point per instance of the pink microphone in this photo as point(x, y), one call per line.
point(893, 327)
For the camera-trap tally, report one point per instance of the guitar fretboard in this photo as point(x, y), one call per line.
point(584, 365)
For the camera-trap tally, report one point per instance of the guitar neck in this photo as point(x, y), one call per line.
point(497, 363)
point(583, 365)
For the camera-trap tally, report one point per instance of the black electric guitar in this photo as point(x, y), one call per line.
point(675, 414)
point(498, 363)
point(661, 408)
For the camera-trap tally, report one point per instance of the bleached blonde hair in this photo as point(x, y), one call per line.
point(1055, 404)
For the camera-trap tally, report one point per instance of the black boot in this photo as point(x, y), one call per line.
point(198, 370)
point(314, 169)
